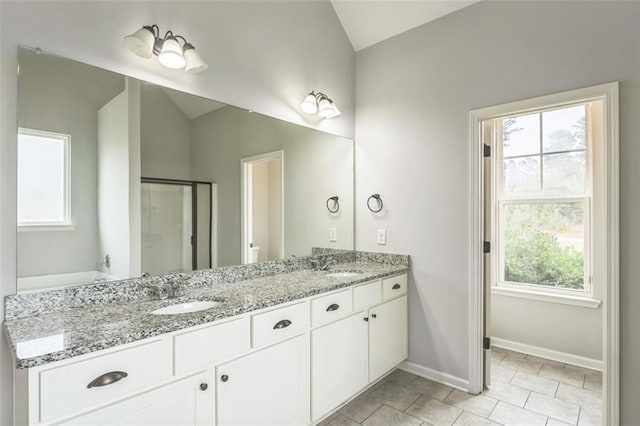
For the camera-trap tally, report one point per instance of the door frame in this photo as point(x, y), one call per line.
point(608, 93)
point(245, 203)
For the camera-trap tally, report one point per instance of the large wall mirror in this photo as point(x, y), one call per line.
point(118, 177)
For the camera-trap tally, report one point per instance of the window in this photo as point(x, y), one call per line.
point(544, 200)
point(43, 179)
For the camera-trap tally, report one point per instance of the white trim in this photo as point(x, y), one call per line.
point(45, 228)
point(244, 209)
point(436, 376)
point(546, 296)
point(564, 357)
point(608, 93)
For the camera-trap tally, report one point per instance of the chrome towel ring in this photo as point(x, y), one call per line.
point(380, 204)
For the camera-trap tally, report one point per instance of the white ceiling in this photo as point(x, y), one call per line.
point(368, 22)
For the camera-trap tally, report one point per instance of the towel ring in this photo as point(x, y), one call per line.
point(379, 201)
point(336, 204)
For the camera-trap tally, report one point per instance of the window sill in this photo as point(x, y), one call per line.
point(45, 228)
point(585, 302)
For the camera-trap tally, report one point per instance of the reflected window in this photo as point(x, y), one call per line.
point(43, 179)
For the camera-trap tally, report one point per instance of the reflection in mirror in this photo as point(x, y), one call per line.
point(118, 177)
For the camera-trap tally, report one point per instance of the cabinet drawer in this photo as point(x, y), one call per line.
point(367, 295)
point(329, 308)
point(394, 286)
point(65, 390)
point(211, 345)
point(279, 324)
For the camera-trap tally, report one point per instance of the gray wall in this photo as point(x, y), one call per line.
point(242, 41)
point(64, 97)
point(414, 94)
point(165, 136)
point(316, 166)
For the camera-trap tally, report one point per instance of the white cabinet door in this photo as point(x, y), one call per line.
point(268, 387)
point(188, 401)
point(339, 366)
point(387, 336)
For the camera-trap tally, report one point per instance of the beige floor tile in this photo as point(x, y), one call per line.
point(400, 378)
point(551, 407)
point(360, 408)
point(535, 383)
point(508, 352)
point(521, 364)
point(329, 419)
point(508, 415)
point(393, 395)
point(468, 419)
point(481, 405)
point(564, 375)
point(496, 357)
point(502, 374)
point(590, 415)
point(554, 422)
point(545, 361)
point(507, 393)
point(387, 416)
point(341, 420)
point(578, 396)
point(593, 381)
point(433, 411)
point(429, 388)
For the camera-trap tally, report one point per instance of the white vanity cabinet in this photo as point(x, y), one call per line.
point(290, 364)
point(387, 336)
point(187, 401)
point(267, 387)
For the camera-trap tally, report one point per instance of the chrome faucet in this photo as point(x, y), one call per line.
point(323, 263)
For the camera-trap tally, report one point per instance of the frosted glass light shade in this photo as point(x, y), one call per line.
point(309, 105)
point(194, 62)
point(171, 55)
point(325, 108)
point(141, 42)
point(336, 111)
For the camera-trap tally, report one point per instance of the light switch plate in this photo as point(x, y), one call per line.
point(333, 234)
point(381, 237)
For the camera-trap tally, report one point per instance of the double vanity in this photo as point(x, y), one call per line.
point(277, 343)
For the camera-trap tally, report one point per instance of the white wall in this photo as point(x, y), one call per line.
point(242, 42)
point(414, 94)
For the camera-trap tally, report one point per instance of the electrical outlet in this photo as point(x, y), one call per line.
point(381, 237)
point(333, 235)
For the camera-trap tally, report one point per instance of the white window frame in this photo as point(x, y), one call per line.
point(65, 224)
point(500, 201)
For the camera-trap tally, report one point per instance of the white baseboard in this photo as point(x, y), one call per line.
point(564, 357)
point(436, 376)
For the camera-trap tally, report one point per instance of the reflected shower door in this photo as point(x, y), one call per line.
point(167, 228)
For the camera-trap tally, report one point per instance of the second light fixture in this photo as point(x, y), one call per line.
point(147, 42)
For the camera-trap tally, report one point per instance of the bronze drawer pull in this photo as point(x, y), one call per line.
point(333, 307)
point(282, 324)
point(107, 379)
point(396, 286)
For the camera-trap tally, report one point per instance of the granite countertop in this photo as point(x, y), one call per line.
point(55, 336)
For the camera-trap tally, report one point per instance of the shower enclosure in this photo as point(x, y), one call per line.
point(176, 225)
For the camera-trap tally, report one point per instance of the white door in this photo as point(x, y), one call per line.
point(339, 366)
point(268, 387)
point(189, 401)
point(387, 336)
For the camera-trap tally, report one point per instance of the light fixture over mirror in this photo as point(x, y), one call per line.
point(321, 104)
point(146, 42)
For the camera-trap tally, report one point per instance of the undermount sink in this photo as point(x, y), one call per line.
point(185, 308)
point(344, 274)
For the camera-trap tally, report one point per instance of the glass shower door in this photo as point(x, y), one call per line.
point(167, 228)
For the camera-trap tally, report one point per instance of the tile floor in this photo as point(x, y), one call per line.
point(525, 390)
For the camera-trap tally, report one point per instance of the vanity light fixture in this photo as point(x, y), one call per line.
point(147, 42)
point(321, 104)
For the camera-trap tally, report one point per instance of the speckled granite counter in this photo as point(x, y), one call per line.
point(65, 333)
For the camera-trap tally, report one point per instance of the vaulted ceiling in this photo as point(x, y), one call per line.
point(368, 22)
